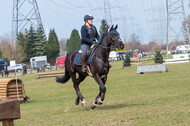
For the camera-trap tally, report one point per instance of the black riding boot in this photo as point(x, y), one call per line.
point(83, 61)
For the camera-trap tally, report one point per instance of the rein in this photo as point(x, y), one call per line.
point(105, 47)
point(101, 59)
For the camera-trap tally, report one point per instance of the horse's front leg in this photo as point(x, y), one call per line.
point(100, 98)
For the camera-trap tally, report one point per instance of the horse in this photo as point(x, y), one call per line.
point(99, 66)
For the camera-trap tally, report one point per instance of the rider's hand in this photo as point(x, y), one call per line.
point(94, 42)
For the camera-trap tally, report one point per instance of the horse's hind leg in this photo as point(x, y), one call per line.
point(76, 83)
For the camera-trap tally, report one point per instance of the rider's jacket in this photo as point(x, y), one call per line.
point(88, 35)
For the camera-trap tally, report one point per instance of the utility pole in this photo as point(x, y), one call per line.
point(175, 11)
point(25, 14)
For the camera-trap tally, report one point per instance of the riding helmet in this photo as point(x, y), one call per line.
point(88, 17)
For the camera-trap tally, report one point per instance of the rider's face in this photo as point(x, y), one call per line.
point(90, 21)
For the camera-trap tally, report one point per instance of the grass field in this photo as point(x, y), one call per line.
point(151, 99)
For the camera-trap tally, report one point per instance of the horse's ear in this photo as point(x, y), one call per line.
point(116, 27)
point(110, 28)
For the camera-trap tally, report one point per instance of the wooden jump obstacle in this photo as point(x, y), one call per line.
point(10, 90)
point(9, 111)
point(134, 60)
point(50, 74)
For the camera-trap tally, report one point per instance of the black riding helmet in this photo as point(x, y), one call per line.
point(88, 17)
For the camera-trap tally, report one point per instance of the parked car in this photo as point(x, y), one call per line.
point(48, 65)
point(18, 67)
point(177, 52)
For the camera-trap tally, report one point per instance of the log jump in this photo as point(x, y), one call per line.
point(49, 74)
point(10, 90)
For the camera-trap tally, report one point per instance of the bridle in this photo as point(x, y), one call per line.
point(112, 42)
point(102, 59)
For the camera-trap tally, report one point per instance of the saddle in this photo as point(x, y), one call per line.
point(89, 57)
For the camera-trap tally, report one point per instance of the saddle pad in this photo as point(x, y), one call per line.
point(77, 60)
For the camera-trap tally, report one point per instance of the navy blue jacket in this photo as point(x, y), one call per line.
point(84, 39)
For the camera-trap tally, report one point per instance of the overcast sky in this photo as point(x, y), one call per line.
point(142, 17)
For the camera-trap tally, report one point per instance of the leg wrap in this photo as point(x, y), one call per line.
point(83, 102)
point(100, 101)
point(94, 103)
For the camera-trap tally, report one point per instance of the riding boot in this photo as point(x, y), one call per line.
point(83, 61)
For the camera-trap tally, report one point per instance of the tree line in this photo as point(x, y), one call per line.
point(33, 42)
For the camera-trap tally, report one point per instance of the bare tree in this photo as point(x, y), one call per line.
point(154, 47)
point(63, 46)
point(17, 53)
point(134, 38)
point(132, 45)
point(7, 50)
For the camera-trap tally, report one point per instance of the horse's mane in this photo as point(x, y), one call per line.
point(103, 35)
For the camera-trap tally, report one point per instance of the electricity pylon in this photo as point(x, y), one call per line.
point(25, 14)
point(175, 17)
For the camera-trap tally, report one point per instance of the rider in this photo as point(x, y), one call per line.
point(89, 35)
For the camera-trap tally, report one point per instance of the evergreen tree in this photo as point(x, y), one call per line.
point(74, 41)
point(127, 61)
point(30, 43)
point(39, 44)
point(67, 45)
point(103, 27)
point(158, 58)
point(21, 40)
point(52, 45)
point(21, 47)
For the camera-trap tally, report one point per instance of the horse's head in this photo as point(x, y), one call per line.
point(115, 39)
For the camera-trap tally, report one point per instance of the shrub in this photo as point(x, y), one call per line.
point(127, 61)
point(158, 58)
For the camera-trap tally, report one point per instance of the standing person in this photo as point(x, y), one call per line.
point(89, 35)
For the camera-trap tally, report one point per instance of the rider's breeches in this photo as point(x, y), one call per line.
point(84, 48)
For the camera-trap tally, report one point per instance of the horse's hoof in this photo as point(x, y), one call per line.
point(99, 101)
point(84, 105)
point(93, 105)
point(76, 102)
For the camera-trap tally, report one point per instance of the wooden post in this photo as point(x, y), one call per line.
point(9, 110)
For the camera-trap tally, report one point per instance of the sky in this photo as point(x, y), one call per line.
point(145, 18)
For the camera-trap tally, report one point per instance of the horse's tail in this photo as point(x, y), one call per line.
point(63, 79)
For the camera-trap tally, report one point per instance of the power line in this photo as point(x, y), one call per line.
point(76, 6)
point(69, 3)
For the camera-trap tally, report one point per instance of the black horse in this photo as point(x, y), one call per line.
point(99, 66)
